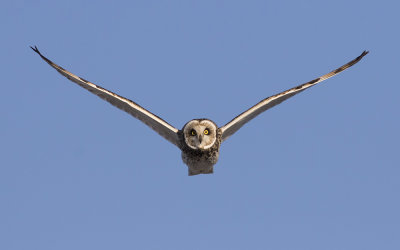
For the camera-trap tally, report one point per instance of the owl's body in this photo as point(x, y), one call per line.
point(200, 162)
point(200, 139)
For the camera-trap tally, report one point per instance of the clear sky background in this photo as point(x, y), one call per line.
point(319, 171)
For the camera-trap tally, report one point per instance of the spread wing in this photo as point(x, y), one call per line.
point(154, 122)
point(234, 125)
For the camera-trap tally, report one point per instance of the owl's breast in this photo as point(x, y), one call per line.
point(200, 162)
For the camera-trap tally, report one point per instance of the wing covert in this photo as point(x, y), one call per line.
point(236, 123)
point(154, 122)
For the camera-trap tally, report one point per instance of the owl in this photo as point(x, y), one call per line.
point(199, 139)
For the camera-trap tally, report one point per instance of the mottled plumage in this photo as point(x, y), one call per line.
point(199, 139)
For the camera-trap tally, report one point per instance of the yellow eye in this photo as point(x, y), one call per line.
point(193, 132)
point(206, 132)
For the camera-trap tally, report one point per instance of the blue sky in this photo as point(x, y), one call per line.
point(318, 171)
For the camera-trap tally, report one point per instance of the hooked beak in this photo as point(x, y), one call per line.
point(200, 138)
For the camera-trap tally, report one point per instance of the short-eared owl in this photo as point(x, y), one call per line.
point(199, 139)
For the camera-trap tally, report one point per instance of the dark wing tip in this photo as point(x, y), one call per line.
point(35, 49)
point(354, 61)
point(365, 52)
point(40, 54)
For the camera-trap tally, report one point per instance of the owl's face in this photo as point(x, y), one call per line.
point(200, 134)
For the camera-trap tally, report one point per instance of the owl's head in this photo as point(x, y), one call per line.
point(200, 134)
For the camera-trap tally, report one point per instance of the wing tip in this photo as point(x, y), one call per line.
point(35, 49)
point(365, 52)
point(354, 61)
